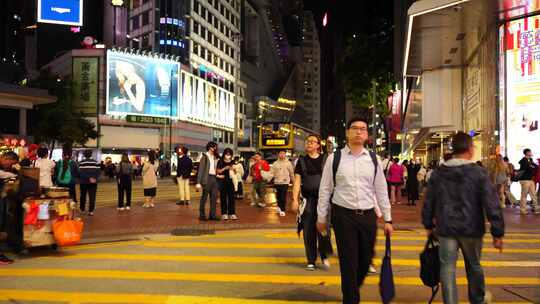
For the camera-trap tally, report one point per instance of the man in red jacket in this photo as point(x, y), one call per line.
point(259, 184)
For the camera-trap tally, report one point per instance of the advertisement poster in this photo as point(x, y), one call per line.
point(203, 102)
point(85, 84)
point(141, 85)
point(522, 47)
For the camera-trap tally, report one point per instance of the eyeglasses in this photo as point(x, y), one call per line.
point(355, 129)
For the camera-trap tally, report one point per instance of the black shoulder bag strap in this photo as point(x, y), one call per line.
point(335, 164)
point(375, 164)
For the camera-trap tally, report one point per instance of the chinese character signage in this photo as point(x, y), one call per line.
point(85, 84)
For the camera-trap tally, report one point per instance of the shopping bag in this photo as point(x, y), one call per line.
point(43, 213)
point(386, 282)
point(62, 208)
point(267, 176)
point(430, 266)
point(31, 216)
point(67, 232)
point(270, 197)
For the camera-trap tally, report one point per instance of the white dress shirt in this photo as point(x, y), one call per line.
point(354, 187)
point(212, 164)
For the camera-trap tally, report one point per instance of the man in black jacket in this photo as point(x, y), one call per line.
point(528, 168)
point(459, 197)
point(206, 180)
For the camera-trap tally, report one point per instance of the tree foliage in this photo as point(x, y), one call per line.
point(60, 123)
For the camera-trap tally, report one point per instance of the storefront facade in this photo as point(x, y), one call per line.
point(142, 103)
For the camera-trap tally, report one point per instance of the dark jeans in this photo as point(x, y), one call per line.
point(91, 189)
point(282, 196)
point(471, 248)
point(14, 223)
point(211, 188)
point(355, 238)
point(312, 237)
point(72, 192)
point(226, 195)
point(124, 186)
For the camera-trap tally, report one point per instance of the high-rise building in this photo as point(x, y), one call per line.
point(159, 26)
point(312, 72)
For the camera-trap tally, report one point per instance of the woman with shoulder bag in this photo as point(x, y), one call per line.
point(124, 177)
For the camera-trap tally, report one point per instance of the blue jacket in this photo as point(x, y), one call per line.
point(88, 168)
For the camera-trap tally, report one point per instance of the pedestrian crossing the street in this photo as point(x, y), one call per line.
point(255, 266)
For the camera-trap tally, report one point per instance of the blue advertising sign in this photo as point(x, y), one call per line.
point(68, 12)
point(141, 85)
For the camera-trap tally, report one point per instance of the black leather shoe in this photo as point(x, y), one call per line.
point(213, 219)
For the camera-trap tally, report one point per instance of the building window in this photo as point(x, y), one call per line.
point(145, 18)
point(135, 22)
point(196, 48)
point(203, 12)
point(222, 10)
point(195, 27)
point(145, 41)
point(203, 32)
point(196, 7)
point(227, 14)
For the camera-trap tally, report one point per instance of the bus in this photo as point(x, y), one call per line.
point(276, 136)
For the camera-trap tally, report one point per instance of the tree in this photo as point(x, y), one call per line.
point(59, 122)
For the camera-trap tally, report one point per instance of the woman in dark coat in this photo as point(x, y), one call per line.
point(412, 183)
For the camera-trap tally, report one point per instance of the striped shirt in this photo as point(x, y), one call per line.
point(88, 168)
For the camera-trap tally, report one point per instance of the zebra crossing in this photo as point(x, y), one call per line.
point(255, 266)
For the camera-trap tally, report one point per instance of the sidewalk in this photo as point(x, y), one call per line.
point(167, 217)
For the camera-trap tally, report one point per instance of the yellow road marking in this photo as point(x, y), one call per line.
point(260, 260)
point(238, 278)
point(406, 238)
point(301, 246)
point(94, 297)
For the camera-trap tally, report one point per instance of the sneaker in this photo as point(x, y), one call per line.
point(252, 204)
point(261, 205)
point(128, 208)
point(372, 270)
point(152, 205)
point(121, 209)
point(281, 213)
point(4, 260)
point(233, 217)
point(536, 211)
point(179, 203)
point(326, 264)
point(90, 213)
point(225, 217)
point(310, 267)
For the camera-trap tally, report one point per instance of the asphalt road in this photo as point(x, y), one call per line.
point(258, 266)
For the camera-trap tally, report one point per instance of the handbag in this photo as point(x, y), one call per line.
point(31, 216)
point(430, 268)
point(267, 176)
point(270, 197)
point(386, 282)
point(67, 232)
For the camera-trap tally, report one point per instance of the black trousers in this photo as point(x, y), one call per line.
point(312, 237)
point(211, 188)
point(282, 196)
point(14, 223)
point(124, 186)
point(240, 191)
point(91, 189)
point(355, 238)
point(72, 191)
point(226, 196)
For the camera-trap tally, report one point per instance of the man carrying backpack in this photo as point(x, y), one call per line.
point(353, 185)
point(459, 197)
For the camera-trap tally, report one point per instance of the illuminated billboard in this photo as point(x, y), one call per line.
point(204, 103)
point(522, 49)
point(141, 85)
point(68, 12)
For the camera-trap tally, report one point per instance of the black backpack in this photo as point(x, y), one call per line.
point(337, 159)
point(430, 267)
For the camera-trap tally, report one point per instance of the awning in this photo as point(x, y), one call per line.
point(435, 30)
point(22, 97)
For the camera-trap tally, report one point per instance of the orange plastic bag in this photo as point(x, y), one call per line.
point(67, 232)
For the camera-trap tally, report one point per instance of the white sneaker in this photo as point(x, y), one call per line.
point(120, 209)
point(224, 217)
point(233, 217)
point(310, 267)
point(261, 205)
point(252, 204)
point(281, 213)
point(372, 270)
point(128, 208)
point(326, 264)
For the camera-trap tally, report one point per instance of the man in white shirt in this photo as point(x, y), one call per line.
point(359, 197)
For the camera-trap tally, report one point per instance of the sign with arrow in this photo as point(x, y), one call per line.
point(67, 12)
